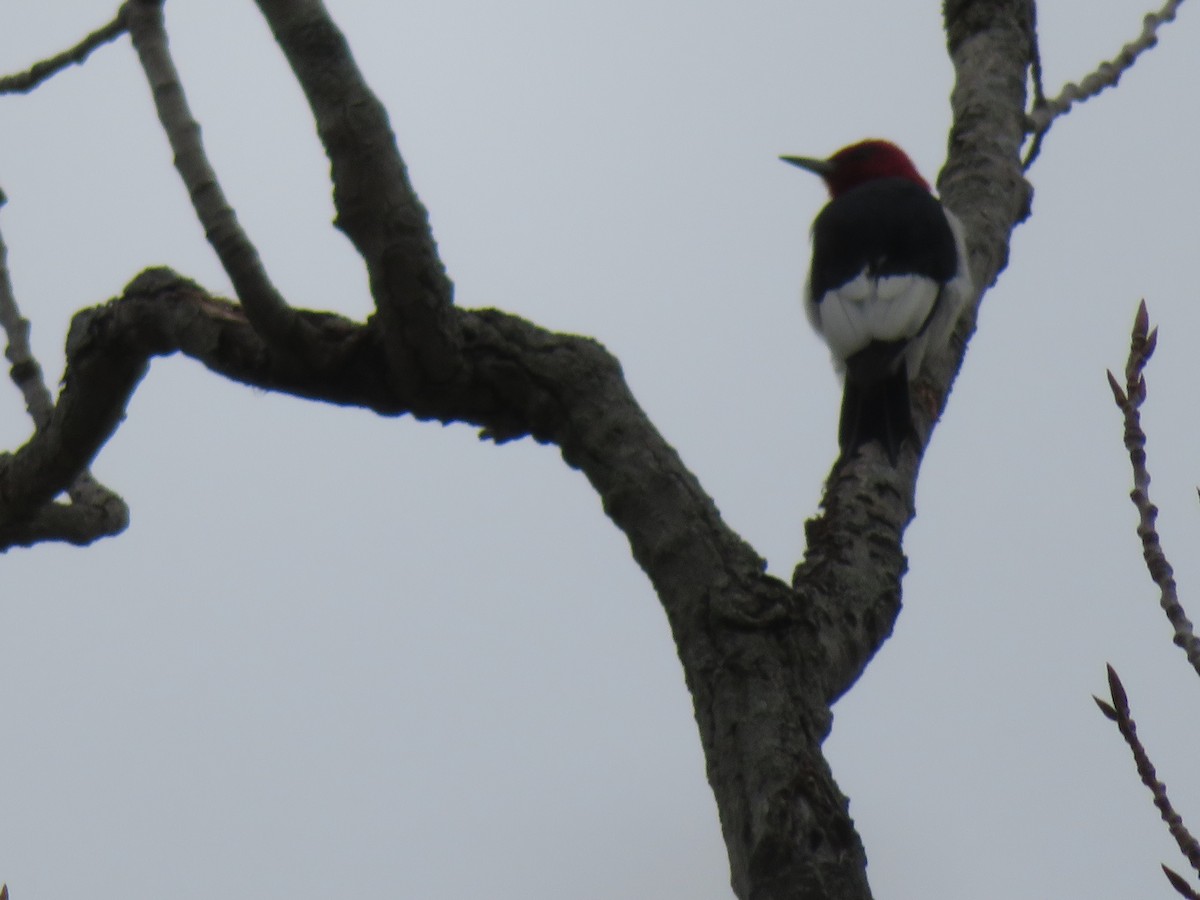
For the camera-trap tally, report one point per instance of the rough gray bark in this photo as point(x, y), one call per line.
point(764, 659)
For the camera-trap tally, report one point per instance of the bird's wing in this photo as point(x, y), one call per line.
point(953, 298)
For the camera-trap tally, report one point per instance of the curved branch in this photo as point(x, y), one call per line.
point(518, 380)
point(108, 352)
point(24, 82)
point(265, 307)
point(376, 205)
point(94, 511)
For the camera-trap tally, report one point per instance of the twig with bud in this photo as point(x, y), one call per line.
point(1118, 712)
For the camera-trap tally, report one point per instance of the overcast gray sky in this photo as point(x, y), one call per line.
point(336, 653)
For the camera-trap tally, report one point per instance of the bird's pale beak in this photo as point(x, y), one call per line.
point(820, 167)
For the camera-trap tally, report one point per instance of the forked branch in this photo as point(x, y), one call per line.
point(1106, 75)
point(376, 205)
point(265, 307)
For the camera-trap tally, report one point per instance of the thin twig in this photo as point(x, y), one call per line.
point(25, 371)
point(265, 307)
point(24, 82)
point(1129, 399)
point(1106, 75)
point(1039, 90)
point(1118, 712)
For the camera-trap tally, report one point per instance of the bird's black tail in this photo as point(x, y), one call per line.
point(876, 410)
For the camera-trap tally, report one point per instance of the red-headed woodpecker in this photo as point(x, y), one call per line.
point(889, 278)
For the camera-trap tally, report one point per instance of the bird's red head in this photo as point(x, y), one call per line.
point(859, 163)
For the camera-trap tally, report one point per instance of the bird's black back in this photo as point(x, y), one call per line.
point(890, 226)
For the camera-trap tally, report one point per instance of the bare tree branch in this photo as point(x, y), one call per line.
point(1143, 340)
point(377, 207)
point(1119, 713)
point(1106, 75)
point(24, 369)
point(266, 308)
point(521, 381)
point(94, 511)
point(108, 351)
point(1130, 399)
point(24, 82)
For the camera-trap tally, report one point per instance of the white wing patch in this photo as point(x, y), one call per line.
point(866, 309)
